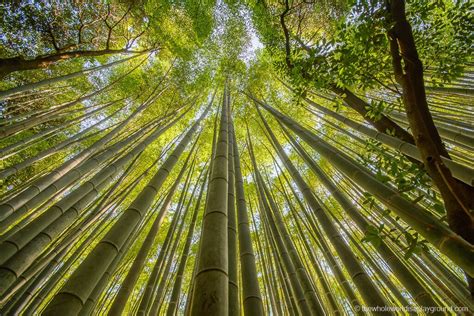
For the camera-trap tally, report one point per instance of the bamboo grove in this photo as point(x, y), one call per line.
point(236, 157)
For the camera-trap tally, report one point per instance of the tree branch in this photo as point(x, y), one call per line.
point(287, 35)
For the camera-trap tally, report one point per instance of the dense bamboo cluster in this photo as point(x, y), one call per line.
point(284, 244)
point(133, 184)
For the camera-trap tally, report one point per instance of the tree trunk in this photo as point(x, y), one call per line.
point(383, 125)
point(12, 64)
point(458, 197)
point(30, 86)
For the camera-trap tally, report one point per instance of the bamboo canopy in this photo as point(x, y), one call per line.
point(236, 158)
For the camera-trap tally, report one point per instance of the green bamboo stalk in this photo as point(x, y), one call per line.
point(158, 296)
point(327, 292)
point(284, 282)
point(210, 295)
point(189, 294)
point(45, 134)
point(368, 290)
point(174, 299)
point(32, 196)
point(62, 213)
point(460, 135)
point(459, 171)
point(35, 85)
point(85, 168)
point(51, 283)
point(77, 289)
point(300, 284)
point(449, 243)
point(272, 260)
point(314, 231)
point(374, 265)
point(252, 299)
point(295, 285)
point(314, 302)
point(417, 290)
point(134, 272)
point(147, 296)
point(234, 305)
point(268, 287)
point(94, 296)
point(53, 149)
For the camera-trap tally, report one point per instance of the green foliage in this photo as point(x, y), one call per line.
point(202, 46)
point(394, 168)
point(443, 35)
point(373, 235)
point(377, 109)
point(415, 246)
point(33, 28)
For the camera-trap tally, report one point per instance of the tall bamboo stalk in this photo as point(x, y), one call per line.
point(165, 250)
point(76, 290)
point(211, 282)
point(36, 85)
point(449, 243)
point(459, 171)
point(409, 280)
point(175, 293)
point(251, 297)
point(234, 304)
point(368, 290)
point(132, 276)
